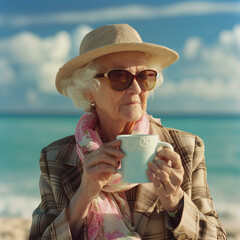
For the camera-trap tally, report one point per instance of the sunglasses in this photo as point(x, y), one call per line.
point(121, 79)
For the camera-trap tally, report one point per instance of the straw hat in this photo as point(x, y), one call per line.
point(110, 39)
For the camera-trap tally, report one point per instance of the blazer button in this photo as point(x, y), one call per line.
point(182, 237)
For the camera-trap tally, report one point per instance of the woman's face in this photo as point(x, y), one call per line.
point(124, 106)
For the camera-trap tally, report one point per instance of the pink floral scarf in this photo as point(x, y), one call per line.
point(109, 215)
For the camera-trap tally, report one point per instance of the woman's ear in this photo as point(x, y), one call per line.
point(91, 101)
point(89, 96)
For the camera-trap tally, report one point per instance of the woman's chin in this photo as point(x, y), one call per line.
point(133, 116)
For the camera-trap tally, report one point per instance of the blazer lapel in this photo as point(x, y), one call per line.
point(71, 180)
point(67, 156)
point(162, 132)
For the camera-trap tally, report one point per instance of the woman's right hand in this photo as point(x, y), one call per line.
point(99, 166)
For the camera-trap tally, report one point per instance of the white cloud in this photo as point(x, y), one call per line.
point(46, 76)
point(192, 47)
point(212, 77)
point(27, 48)
point(7, 73)
point(23, 48)
point(225, 52)
point(77, 37)
point(231, 39)
point(177, 9)
point(57, 47)
point(199, 87)
point(34, 58)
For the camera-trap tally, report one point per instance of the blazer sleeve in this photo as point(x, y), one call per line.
point(199, 219)
point(47, 222)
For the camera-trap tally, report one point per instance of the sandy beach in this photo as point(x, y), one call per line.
point(18, 229)
point(14, 228)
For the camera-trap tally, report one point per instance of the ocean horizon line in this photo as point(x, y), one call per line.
point(76, 114)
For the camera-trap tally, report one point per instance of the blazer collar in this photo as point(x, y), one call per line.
point(163, 133)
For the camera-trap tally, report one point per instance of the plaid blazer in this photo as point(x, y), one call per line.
point(61, 176)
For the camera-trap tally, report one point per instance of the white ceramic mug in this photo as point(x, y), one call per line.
point(139, 150)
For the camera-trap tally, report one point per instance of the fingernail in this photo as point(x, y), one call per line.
point(150, 163)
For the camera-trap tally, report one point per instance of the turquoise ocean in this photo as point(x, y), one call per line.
point(23, 137)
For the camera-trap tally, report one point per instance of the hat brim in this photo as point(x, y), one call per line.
point(162, 55)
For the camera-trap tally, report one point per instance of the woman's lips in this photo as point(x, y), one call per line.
point(132, 103)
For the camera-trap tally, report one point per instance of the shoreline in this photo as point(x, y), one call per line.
point(12, 228)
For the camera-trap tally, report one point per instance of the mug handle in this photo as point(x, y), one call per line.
point(164, 144)
point(168, 145)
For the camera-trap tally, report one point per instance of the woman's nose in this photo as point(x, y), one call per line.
point(134, 87)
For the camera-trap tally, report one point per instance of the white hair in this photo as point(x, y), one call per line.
point(83, 82)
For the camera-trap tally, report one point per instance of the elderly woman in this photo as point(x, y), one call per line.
point(82, 196)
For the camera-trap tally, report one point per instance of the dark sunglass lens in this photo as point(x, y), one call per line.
point(119, 79)
point(146, 79)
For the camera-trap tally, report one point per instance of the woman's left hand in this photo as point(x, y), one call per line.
point(167, 178)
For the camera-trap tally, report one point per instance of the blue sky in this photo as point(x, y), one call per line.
point(38, 37)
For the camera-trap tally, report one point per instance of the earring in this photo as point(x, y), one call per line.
point(92, 104)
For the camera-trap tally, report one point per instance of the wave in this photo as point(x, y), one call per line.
point(18, 205)
point(23, 206)
point(228, 211)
